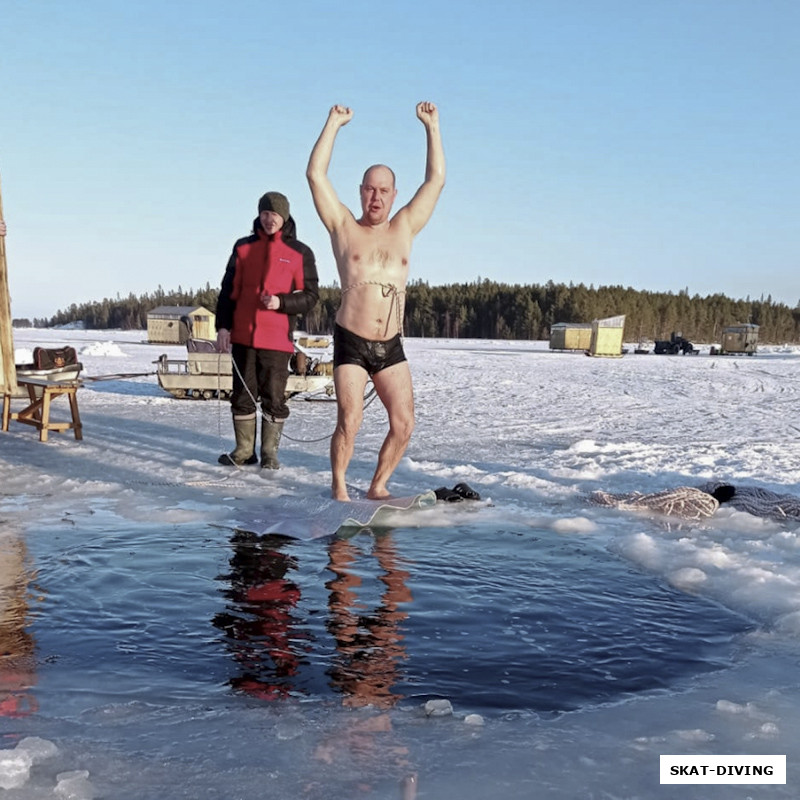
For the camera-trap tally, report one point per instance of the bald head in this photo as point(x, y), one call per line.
point(377, 194)
point(380, 171)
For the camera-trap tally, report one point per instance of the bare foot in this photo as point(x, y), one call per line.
point(378, 494)
point(340, 494)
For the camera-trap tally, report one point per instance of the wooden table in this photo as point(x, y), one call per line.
point(37, 413)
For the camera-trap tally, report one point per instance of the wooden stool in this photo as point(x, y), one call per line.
point(37, 412)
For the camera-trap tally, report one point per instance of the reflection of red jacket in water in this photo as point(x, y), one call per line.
point(260, 622)
point(275, 600)
point(272, 604)
point(15, 700)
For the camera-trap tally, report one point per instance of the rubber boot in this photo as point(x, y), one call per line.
point(270, 439)
point(244, 429)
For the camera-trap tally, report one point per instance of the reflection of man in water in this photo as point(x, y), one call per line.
point(369, 646)
point(259, 623)
point(369, 649)
point(17, 659)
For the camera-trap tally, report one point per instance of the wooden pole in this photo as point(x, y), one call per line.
point(7, 368)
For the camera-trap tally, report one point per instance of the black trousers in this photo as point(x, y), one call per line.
point(259, 374)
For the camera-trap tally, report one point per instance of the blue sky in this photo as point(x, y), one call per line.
point(648, 144)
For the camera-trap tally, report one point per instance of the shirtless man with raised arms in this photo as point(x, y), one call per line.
point(372, 256)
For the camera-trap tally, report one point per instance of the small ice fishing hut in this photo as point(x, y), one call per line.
point(607, 336)
point(571, 336)
point(178, 324)
point(740, 339)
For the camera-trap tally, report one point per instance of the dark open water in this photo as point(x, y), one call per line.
point(150, 639)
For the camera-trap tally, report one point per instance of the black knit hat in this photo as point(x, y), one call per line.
point(275, 201)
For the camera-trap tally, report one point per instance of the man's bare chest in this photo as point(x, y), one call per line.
point(375, 254)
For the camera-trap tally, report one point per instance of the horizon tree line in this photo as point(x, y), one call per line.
point(485, 309)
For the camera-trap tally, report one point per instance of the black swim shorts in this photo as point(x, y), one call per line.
point(349, 348)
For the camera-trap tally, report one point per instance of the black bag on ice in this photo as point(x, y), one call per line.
point(53, 358)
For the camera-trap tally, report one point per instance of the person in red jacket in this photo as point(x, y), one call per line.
point(271, 277)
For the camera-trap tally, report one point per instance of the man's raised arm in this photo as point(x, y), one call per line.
point(421, 205)
point(329, 207)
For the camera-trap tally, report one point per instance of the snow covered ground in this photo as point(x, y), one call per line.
point(533, 430)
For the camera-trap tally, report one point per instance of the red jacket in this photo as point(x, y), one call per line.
point(279, 265)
